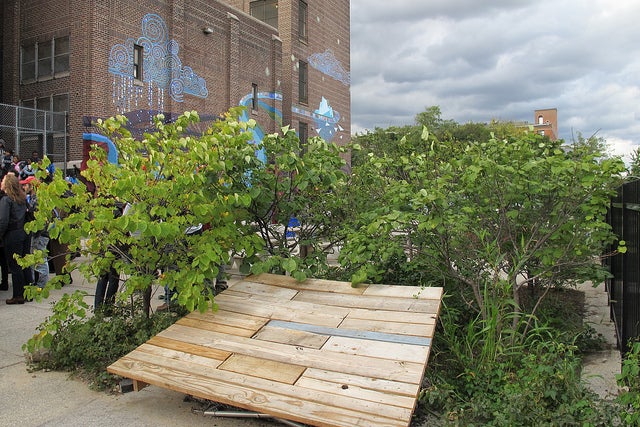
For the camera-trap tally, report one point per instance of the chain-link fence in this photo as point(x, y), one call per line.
point(25, 130)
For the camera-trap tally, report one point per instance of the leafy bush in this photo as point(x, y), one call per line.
point(538, 387)
point(629, 378)
point(87, 346)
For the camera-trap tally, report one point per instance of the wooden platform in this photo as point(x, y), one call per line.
point(317, 352)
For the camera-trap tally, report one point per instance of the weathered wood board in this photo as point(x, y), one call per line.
point(318, 352)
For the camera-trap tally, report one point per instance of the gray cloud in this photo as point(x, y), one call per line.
point(498, 59)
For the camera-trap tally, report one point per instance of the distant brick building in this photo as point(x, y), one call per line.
point(287, 61)
point(546, 122)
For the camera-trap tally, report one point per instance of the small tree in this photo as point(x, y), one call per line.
point(488, 218)
point(298, 203)
point(171, 181)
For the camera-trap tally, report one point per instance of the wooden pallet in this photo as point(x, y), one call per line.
point(318, 352)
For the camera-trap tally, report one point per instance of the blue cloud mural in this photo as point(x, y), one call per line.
point(328, 64)
point(325, 117)
point(162, 68)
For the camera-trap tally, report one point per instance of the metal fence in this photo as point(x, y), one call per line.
point(624, 286)
point(25, 130)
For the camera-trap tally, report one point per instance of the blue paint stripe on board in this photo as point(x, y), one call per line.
point(351, 333)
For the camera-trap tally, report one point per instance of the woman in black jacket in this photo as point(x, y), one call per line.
point(13, 207)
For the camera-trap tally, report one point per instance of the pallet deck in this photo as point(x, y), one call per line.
point(317, 352)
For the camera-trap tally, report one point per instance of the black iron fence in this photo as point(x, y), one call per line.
point(624, 286)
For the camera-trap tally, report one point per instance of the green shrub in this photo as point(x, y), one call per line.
point(629, 378)
point(536, 387)
point(87, 346)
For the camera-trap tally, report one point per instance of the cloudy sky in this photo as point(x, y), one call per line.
point(499, 59)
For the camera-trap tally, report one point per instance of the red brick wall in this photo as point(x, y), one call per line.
point(240, 51)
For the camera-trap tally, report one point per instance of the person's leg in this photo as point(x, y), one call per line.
point(101, 289)
point(13, 245)
point(112, 288)
point(42, 270)
point(4, 266)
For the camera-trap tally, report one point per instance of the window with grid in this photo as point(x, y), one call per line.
point(303, 134)
point(303, 82)
point(28, 63)
point(61, 56)
point(266, 11)
point(302, 21)
point(137, 62)
point(44, 60)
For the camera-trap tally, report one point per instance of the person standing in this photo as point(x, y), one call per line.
point(13, 208)
point(40, 238)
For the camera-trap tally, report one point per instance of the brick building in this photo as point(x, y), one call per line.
point(546, 122)
point(287, 61)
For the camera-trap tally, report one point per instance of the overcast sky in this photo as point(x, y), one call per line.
point(499, 59)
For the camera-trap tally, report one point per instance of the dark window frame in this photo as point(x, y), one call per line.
point(254, 97)
point(138, 60)
point(303, 82)
point(45, 60)
point(265, 10)
point(303, 21)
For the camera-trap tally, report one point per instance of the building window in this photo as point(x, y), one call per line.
point(254, 97)
point(44, 60)
point(302, 21)
point(266, 11)
point(303, 82)
point(137, 62)
point(303, 134)
point(60, 105)
point(540, 120)
point(61, 56)
point(28, 63)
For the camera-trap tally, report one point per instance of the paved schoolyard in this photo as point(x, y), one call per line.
point(53, 399)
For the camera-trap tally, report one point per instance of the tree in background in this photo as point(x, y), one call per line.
point(488, 218)
point(634, 168)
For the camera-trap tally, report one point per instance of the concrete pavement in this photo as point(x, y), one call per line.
point(54, 399)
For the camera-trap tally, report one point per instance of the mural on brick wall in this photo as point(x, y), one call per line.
point(324, 117)
point(163, 71)
point(327, 63)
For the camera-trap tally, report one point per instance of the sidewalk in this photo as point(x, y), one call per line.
point(599, 369)
point(53, 399)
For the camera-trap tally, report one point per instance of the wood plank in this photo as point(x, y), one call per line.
point(321, 285)
point(139, 385)
point(380, 349)
point(354, 333)
point(386, 386)
point(263, 290)
point(263, 368)
point(393, 316)
point(178, 356)
point(397, 328)
point(284, 310)
point(356, 392)
point(240, 396)
point(395, 370)
point(333, 372)
point(230, 318)
point(291, 337)
point(215, 327)
point(267, 396)
point(416, 292)
point(373, 302)
point(198, 350)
